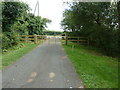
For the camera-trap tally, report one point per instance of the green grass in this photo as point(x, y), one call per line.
point(95, 69)
point(15, 53)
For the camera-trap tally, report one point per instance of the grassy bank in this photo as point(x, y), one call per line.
point(15, 53)
point(95, 69)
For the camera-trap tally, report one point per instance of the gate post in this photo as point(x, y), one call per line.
point(26, 38)
point(35, 38)
point(66, 39)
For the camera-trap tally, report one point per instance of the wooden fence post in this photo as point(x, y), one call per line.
point(66, 40)
point(35, 38)
point(26, 38)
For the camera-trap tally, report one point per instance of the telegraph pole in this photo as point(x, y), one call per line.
point(37, 7)
point(38, 14)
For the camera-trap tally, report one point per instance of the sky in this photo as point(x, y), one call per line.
point(51, 9)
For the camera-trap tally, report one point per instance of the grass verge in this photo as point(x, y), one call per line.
point(15, 53)
point(95, 69)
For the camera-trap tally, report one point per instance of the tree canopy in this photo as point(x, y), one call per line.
point(16, 20)
point(96, 20)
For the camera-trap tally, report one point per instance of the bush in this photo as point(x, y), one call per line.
point(9, 40)
point(5, 42)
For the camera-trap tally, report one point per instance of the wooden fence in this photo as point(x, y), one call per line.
point(78, 40)
point(39, 38)
point(35, 38)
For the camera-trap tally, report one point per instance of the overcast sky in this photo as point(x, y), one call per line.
point(51, 9)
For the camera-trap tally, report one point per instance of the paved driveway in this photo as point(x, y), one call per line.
point(46, 66)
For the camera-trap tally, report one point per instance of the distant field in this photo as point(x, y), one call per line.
point(15, 53)
point(95, 69)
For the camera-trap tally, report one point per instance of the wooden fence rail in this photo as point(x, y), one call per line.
point(82, 40)
point(35, 38)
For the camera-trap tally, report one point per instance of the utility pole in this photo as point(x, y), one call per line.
point(37, 7)
point(38, 15)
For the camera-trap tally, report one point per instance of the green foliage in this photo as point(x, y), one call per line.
point(36, 24)
point(98, 21)
point(17, 20)
point(11, 11)
point(29, 24)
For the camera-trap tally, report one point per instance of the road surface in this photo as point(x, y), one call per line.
point(46, 66)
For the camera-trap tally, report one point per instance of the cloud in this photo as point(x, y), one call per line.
point(51, 9)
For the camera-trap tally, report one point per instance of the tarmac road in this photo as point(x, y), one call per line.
point(46, 66)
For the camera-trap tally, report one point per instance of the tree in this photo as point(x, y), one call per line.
point(97, 21)
point(17, 20)
point(11, 11)
point(118, 9)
